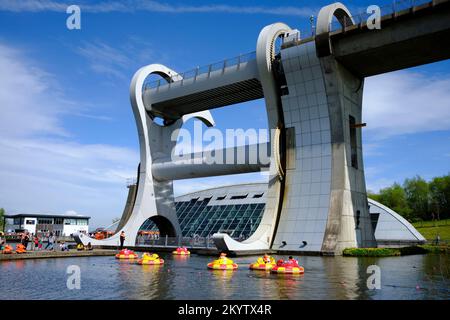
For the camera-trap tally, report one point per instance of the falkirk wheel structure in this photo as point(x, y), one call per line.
point(312, 88)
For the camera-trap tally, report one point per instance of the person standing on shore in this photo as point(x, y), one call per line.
point(36, 243)
point(26, 239)
point(47, 240)
point(31, 240)
point(2, 241)
point(122, 239)
point(55, 240)
point(22, 238)
point(50, 242)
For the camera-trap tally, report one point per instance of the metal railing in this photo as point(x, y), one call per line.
point(392, 9)
point(131, 181)
point(203, 71)
point(360, 19)
point(190, 242)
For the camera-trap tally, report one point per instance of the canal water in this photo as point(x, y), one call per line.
point(407, 277)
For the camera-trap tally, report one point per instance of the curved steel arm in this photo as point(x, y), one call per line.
point(324, 19)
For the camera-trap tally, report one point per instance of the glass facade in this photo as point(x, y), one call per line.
point(198, 219)
point(45, 221)
point(76, 222)
point(238, 209)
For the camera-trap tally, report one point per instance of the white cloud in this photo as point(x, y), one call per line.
point(371, 149)
point(24, 92)
point(377, 184)
point(120, 61)
point(150, 6)
point(42, 166)
point(155, 6)
point(405, 102)
point(105, 59)
point(32, 5)
point(59, 175)
point(378, 177)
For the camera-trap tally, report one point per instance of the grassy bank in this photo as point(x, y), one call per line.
point(371, 252)
point(430, 229)
point(390, 252)
point(444, 248)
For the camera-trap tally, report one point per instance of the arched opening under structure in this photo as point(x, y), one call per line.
point(154, 229)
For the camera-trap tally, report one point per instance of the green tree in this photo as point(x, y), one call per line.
point(440, 197)
point(417, 193)
point(2, 219)
point(372, 195)
point(394, 197)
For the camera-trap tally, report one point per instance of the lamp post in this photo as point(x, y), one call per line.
point(311, 20)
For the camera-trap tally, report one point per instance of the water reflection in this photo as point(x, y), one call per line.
point(342, 277)
point(409, 277)
point(150, 282)
point(222, 283)
point(19, 264)
point(124, 274)
point(151, 269)
point(288, 286)
point(438, 272)
point(181, 259)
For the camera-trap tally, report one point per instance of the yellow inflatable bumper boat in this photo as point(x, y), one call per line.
point(150, 259)
point(223, 263)
point(265, 263)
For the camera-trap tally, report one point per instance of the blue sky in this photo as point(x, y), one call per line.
point(67, 133)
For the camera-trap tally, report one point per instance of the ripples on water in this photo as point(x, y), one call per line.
point(408, 277)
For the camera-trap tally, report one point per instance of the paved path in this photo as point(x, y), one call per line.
point(57, 254)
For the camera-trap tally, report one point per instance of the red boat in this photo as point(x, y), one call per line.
point(289, 266)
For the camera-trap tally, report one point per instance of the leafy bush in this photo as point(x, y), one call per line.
point(436, 249)
point(371, 252)
point(390, 252)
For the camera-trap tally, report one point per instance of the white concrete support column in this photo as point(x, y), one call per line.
point(308, 179)
point(326, 207)
point(348, 222)
point(154, 198)
point(264, 235)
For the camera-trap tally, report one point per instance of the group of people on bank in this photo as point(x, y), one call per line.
point(33, 242)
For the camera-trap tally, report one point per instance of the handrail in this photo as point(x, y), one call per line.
point(173, 242)
point(131, 181)
point(208, 69)
point(387, 10)
point(359, 19)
